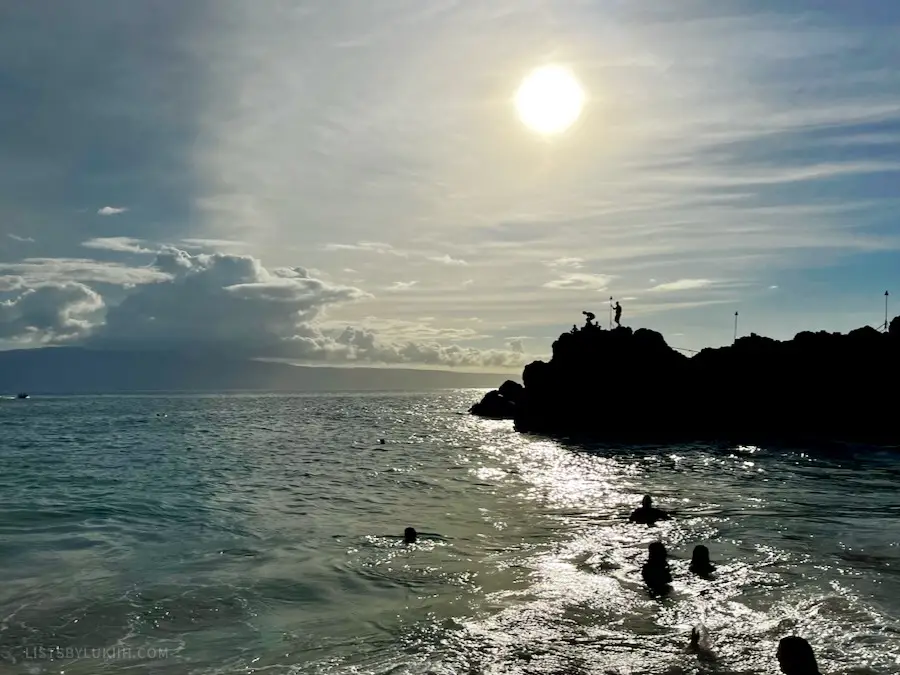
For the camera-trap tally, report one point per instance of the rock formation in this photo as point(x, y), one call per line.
point(630, 386)
point(500, 403)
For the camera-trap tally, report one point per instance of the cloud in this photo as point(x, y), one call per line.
point(447, 260)
point(401, 286)
point(50, 312)
point(24, 240)
point(212, 243)
point(382, 248)
point(682, 285)
point(38, 271)
point(11, 283)
point(222, 302)
point(367, 246)
point(355, 345)
point(424, 329)
point(581, 281)
point(560, 263)
point(111, 210)
point(119, 244)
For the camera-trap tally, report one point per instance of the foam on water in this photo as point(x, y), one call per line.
point(263, 534)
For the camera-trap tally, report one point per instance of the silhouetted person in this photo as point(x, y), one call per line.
point(590, 319)
point(410, 535)
point(700, 562)
point(795, 656)
point(655, 571)
point(618, 309)
point(648, 514)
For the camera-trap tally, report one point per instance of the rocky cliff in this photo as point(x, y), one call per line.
point(630, 386)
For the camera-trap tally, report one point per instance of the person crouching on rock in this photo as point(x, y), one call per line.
point(655, 571)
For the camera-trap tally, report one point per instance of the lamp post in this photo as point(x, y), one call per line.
point(735, 326)
point(886, 294)
point(610, 312)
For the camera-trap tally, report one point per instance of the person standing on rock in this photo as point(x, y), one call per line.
point(618, 309)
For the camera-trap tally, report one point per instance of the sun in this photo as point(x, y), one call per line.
point(549, 100)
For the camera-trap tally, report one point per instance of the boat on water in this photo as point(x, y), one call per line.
point(22, 395)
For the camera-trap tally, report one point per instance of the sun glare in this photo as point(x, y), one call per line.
point(549, 100)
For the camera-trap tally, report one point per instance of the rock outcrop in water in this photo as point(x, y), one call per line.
point(630, 386)
point(500, 403)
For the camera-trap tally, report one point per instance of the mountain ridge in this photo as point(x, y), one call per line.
point(76, 370)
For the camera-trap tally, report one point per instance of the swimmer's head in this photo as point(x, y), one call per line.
point(700, 556)
point(647, 501)
point(410, 535)
point(795, 657)
point(657, 552)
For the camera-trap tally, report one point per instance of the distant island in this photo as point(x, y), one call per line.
point(74, 370)
point(630, 386)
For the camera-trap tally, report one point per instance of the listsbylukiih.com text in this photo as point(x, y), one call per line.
point(59, 653)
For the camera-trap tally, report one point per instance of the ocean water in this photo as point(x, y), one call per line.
point(262, 534)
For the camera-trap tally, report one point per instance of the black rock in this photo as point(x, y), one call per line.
point(630, 386)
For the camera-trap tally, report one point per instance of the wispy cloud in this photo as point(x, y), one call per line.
point(401, 286)
point(580, 281)
point(447, 260)
point(24, 240)
point(366, 246)
point(682, 285)
point(562, 263)
point(35, 271)
point(212, 243)
point(111, 210)
point(120, 244)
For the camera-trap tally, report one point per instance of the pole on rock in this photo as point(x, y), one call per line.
point(886, 294)
point(610, 312)
point(735, 326)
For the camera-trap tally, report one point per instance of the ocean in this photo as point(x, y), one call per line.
point(263, 534)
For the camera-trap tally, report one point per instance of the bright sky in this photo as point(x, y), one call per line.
point(374, 196)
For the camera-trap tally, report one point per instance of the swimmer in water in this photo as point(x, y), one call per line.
point(795, 657)
point(648, 514)
point(410, 536)
point(700, 563)
point(700, 643)
point(656, 571)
